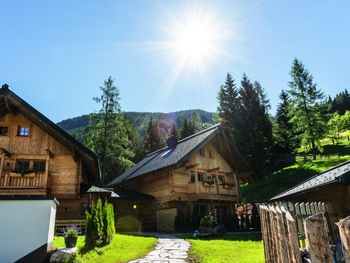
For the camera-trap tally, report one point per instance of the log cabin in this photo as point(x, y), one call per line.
point(37, 158)
point(331, 187)
point(187, 179)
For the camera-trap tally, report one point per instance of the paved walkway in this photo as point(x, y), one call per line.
point(169, 249)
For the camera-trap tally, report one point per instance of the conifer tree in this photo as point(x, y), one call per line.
point(254, 132)
point(284, 135)
point(185, 129)
point(229, 104)
point(306, 100)
point(107, 134)
point(153, 140)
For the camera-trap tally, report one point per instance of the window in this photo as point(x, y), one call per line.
point(39, 166)
point(211, 153)
point(221, 179)
point(23, 131)
point(201, 177)
point(193, 176)
point(202, 152)
point(4, 130)
point(22, 166)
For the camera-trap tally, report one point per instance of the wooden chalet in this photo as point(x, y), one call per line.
point(37, 158)
point(188, 179)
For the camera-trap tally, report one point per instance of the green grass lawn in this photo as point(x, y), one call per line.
point(232, 247)
point(281, 180)
point(122, 249)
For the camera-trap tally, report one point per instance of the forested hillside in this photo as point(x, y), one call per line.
point(140, 120)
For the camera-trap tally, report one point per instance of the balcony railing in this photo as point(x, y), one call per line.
point(214, 188)
point(19, 181)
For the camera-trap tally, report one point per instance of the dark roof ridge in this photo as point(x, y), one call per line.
point(187, 138)
point(303, 182)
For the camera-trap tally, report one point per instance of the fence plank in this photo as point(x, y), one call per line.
point(265, 235)
point(293, 241)
point(282, 236)
point(344, 230)
point(316, 231)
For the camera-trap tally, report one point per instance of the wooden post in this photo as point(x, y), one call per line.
point(47, 166)
point(316, 232)
point(293, 241)
point(266, 234)
point(282, 236)
point(344, 230)
point(217, 182)
point(196, 179)
point(2, 163)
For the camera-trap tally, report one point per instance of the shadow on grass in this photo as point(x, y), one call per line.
point(230, 236)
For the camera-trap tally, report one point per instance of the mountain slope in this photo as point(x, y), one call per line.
point(140, 120)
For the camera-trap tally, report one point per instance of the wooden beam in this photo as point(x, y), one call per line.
point(214, 169)
point(191, 166)
point(8, 154)
point(48, 152)
point(2, 164)
point(9, 107)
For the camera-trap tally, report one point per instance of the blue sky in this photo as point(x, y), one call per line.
point(56, 54)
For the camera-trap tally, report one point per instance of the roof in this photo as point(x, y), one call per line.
point(11, 103)
point(119, 193)
point(166, 157)
point(337, 174)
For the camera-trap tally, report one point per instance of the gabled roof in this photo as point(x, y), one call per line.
point(166, 157)
point(120, 193)
point(11, 103)
point(337, 174)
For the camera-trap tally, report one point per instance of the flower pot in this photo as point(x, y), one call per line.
point(70, 241)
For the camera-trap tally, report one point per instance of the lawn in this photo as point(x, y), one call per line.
point(122, 249)
point(283, 179)
point(232, 247)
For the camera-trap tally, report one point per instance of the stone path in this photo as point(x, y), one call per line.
point(169, 249)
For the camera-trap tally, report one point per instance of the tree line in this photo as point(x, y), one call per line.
point(304, 116)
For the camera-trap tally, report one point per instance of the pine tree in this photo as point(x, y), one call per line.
point(254, 131)
point(229, 104)
point(152, 140)
point(283, 130)
point(107, 134)
point(305, 101)
point(185, 130)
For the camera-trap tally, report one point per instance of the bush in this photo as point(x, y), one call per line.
point(208, 221)
point(100, 227)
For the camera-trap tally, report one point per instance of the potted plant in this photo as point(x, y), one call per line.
point(70, 235)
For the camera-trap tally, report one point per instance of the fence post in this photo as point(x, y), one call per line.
point(294, 251)
point(282, 235)
point(316, 232)
point(266, 234)
point(344, 230)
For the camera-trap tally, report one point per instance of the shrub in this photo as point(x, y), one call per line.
point(208, 221)
point(108, 223)
point(100, 226)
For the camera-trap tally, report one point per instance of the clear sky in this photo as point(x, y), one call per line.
point(56, 54)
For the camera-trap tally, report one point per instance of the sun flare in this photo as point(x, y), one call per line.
point(197, 37)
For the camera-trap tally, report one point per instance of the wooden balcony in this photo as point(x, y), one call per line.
point(18, 184)
point(219, 189)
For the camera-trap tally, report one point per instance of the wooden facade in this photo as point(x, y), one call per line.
point(202, 184)
point(37, 158)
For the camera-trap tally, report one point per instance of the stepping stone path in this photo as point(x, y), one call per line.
point(169, 249)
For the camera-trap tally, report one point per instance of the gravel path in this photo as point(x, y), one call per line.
point(169, 249)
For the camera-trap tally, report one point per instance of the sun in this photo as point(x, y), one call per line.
point(197, 37)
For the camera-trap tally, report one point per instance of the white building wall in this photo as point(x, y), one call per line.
point(25, 225)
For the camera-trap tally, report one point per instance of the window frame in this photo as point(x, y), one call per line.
point(25, 132)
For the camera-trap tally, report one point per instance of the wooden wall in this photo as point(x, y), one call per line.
point(181, 183)
point(64, 174)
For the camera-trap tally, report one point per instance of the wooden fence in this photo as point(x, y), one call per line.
point(282, 232)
